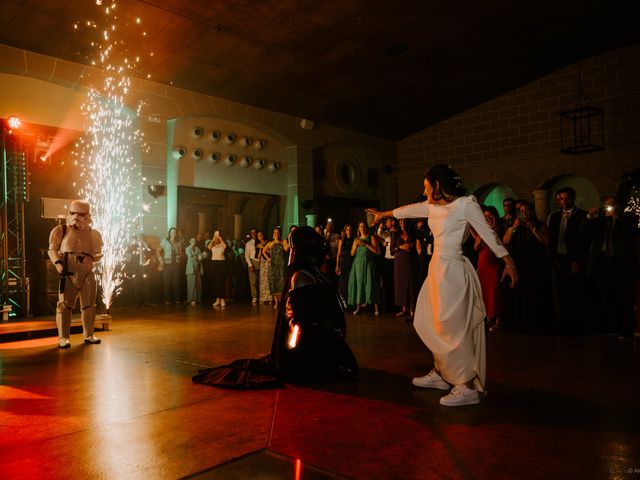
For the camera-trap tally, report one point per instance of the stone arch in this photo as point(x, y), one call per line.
point(493, 194)
point(588, 194)
point(600, 178)
point(494, 177)
point(269, 214)
point(241, 204)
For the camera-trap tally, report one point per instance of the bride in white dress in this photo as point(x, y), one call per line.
point(450, 313)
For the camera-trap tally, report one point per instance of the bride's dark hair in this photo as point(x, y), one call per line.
point(445, 181)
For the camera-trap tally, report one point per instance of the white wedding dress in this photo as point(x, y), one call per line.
point(449, 316)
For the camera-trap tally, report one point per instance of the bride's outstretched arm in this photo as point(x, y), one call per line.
point(378, 215)
point(413, 210)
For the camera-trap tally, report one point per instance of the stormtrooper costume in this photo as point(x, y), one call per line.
point(73, 249)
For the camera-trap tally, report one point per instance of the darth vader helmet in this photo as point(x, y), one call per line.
point(307, 247)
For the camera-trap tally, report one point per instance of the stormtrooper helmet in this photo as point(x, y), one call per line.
point(79, 214)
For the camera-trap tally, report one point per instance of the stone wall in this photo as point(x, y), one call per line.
point(514, 140)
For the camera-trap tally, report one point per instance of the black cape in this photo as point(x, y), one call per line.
point(321, 352)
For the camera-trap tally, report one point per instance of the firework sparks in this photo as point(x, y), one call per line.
point(634, 203)
point(107, 153)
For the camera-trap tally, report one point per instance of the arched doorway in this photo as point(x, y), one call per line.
point(587, 194)
point(494, 194)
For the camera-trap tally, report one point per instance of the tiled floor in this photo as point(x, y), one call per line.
point(558, 407)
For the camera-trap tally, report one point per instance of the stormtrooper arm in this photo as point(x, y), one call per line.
point(55, 239)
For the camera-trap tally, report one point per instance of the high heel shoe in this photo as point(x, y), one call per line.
point(356, 311)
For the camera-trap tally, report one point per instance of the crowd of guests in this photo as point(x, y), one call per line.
point(208, 268)
point(576, 270)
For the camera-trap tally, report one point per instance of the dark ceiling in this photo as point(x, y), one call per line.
point(379, 67)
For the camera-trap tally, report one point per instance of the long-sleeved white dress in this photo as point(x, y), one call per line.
point(449, 315)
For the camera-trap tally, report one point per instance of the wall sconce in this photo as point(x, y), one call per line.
point(306, 124)
point(259, 144)
point(245, 161)
point(229, 160)
point(273, 167)
point(245, 141)
point(179, 151)
point(214, 136)
point(259, 164)
point(213, 157)
point(197, 132)
point(156, 190)
point(197, 154)
point(230, 138)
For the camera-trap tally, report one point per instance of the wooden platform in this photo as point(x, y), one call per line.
point(42, 327)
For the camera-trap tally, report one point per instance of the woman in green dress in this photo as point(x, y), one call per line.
point(363, 279)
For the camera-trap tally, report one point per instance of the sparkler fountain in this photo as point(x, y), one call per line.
point(107, 153)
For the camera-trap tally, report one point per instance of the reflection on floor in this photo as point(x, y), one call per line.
point(558, 407)
point(265, 464)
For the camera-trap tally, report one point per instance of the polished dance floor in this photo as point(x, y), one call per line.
point(557, 407)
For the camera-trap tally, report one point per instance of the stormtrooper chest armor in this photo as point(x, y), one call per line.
point(78, 241)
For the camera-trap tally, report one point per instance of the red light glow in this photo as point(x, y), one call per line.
point(293, 338)
point(298, 469)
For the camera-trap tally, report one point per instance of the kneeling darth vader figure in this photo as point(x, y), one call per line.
point(309, 341)
point(309, 338)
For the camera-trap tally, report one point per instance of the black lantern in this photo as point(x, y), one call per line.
point(581, 124)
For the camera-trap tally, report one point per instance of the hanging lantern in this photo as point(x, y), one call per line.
point(581, 124)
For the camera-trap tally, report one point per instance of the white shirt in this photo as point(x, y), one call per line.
point(386, 238)
point(249, 251)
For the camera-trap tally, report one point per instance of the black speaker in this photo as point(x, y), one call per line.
point(44, 287)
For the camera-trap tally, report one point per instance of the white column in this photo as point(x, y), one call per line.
point(202, 222)
point(237, 226)
point(541, 202)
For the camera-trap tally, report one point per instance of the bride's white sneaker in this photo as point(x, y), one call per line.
point(431, 380)
point(460, 395)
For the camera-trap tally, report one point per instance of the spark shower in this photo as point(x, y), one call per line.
point(108, 152)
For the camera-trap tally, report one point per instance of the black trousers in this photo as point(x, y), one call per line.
point(615, 298)
point(171, 282)
point(388, 299)
point(218, 278)
point(571, 299)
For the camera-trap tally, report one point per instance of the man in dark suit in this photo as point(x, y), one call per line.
point(568, 249)
point(611, 266)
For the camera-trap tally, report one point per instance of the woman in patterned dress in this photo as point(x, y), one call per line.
point(274, 253)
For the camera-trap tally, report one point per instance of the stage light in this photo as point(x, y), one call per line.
point(41, 158)
point(156, 190)
point(273, 166)
point(14, 122)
